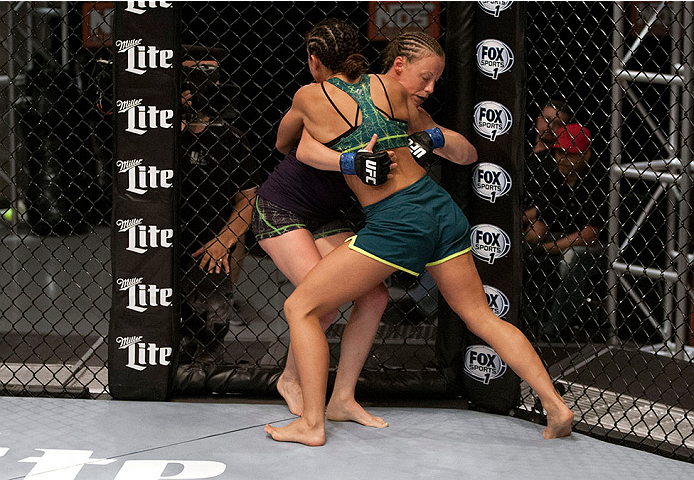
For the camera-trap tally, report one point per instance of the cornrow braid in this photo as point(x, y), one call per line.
point(336, 43)
point(412, 46)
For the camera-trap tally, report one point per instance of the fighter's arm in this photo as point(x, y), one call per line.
point(292, 124)
point(456, 148)
point(311, 152)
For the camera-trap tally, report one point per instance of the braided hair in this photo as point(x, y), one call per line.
point(336, 43)
point(412, 46)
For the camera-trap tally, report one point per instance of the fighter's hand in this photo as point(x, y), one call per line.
point(214, 257)
point(391, 154)
point(423, 143)
point(371, 168)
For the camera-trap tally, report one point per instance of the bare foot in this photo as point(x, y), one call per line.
point(298, 431)
point(352, 411)
point(559, 422)
point(291, 392)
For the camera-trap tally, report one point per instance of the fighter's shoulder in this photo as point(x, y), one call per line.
point(306, 94)
point(392, 85)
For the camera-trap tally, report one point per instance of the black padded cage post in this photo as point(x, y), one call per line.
point(494, 184)
point(143, 332)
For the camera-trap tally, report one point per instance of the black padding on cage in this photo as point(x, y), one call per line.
point(143, 332)
point(495, 209)
point(204, 380)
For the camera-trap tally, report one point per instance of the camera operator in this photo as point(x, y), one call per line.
point(219, 176)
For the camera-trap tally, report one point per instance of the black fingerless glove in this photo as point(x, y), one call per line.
point(372, 168)
point(424, 142)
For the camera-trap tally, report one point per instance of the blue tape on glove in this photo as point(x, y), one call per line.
point(347, 163)
point(436, 136)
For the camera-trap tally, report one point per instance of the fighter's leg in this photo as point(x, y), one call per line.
point(462, 288)
point(340, 277)
point(295, 254)
point(356, 344)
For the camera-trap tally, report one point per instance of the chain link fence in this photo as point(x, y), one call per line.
point(55, 186)
point(607, 281)
point(263, 65)
point(610, 315)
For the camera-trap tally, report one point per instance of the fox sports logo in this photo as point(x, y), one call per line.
point(490, 181)
point(494, 8)
point(483, 364)
point(492, 120)
point(497, 301)
point(494, 58)
point(489, 242)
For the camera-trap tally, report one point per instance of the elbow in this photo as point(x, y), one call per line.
point(472, 155)
point(300, 151)
point(282, 147)
point(467, 155)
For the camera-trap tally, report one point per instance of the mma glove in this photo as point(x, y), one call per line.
point(424, 142)
point(372, 168)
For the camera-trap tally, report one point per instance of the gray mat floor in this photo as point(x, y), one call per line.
point(57, 439)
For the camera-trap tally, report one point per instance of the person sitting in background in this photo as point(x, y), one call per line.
point(555, 115)
point(563, 219)
point(219, 175)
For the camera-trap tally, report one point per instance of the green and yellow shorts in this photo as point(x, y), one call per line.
point(414, 228)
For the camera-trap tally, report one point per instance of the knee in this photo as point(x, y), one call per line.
point(375, 299)
point(477, 317)
point(294, 308)
point(299, 307)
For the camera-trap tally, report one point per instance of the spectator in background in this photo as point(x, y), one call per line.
point(555, 115)
point(563, 217)
point(219, 176)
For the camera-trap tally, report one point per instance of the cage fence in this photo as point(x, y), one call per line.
point(610, 315)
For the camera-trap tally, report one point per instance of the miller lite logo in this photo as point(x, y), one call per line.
point(143, 177)
point(492, 119)
point(490, 181)
point(142, 57)
point(141, 354)
point(138, 8)
point(142, 237)
point(494, 8)
point(483, 364)
point(494, 58)
point(142, 296)
point(144, 117)
point(370, 166)
point(498, 302)
point(489, 242)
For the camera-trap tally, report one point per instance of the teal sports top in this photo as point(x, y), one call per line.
point(392, 133)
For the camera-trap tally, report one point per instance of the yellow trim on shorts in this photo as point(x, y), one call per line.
point(438, 262)
point(351, 241)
